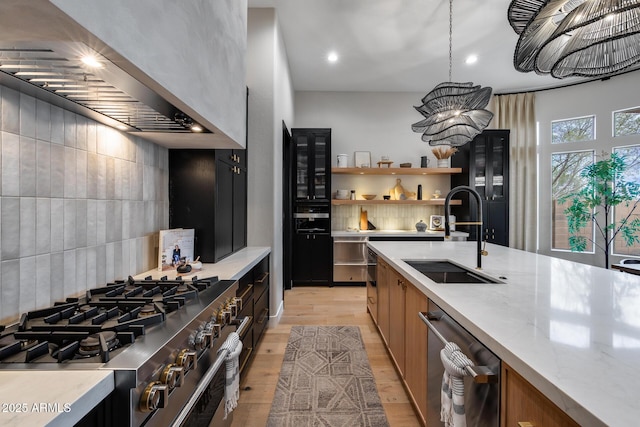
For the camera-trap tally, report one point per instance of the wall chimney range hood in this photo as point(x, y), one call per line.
point(77, 78)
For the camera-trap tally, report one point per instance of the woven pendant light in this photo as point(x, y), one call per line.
point(454, 112)
point(566, 38)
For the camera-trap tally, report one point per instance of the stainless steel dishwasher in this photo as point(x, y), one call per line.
point(481, 385)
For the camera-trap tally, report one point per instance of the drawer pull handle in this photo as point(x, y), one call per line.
point(243, 297)
point(263, 316)
point(525, 424)
point(261, 280)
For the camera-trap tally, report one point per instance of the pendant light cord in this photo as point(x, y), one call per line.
point(450, 36)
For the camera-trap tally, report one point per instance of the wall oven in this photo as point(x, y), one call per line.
point(312, 219)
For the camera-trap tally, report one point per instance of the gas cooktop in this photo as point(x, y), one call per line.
point(98, 327)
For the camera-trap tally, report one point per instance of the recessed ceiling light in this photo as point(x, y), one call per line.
point(471, 59)
point(332, 57)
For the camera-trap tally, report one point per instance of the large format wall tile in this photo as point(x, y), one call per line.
point(10, 164)
point(80, 203)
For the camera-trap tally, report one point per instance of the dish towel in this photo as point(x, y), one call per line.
point(233, 346)
point(452, 394)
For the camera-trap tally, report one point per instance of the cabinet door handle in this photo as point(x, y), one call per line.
point(525, 424)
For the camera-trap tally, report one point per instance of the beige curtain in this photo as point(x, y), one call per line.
point(516, 112)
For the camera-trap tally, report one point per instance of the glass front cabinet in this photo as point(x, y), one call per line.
point(485, 167)
point(312, 164)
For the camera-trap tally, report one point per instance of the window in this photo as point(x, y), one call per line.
point(566, 179)
point(626, 122)
point(632, 174)
point(573, 130)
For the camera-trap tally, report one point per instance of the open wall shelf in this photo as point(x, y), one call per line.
point(433, 202)
point(396, 171)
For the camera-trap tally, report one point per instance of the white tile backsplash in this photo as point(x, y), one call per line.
point(69, 224)
point(57, 125)
point(27, 284)
point(69, 129)
point(43, 120)
point(28, 168)
point(43, 169)
point(10, 164)
point(57, 170)
point(43, 280)
point(10, 280)
point(10, 111)
point(43, 226)
point(383, 217)
point(27, 116)
point(10, 228)
point(70, 166)
point(57, 225)
point(27, 226)
point(79, 202)
point(81, 174)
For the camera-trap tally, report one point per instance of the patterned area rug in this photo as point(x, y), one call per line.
point(326, 380)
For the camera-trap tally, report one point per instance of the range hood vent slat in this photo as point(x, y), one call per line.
point(59, 70)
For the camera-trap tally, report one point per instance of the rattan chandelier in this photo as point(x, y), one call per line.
point(454, 112)
point(566, 38)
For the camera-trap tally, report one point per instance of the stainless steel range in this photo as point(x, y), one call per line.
point(159, 337)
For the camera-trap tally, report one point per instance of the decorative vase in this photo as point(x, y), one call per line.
point(421, 226)
point(443, 163)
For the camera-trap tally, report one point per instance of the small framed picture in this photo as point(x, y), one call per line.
point(362, 159)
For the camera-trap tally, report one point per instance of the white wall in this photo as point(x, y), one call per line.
point(270, 102)
point(599, 98)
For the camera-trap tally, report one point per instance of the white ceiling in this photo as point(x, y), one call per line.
point(400, 45)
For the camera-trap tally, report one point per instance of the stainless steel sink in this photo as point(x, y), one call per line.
point(448, 272)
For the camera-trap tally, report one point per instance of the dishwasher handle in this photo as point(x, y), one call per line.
point(480, 374)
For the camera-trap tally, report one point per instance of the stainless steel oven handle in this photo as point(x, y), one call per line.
point(480, 374)
point(203, 384)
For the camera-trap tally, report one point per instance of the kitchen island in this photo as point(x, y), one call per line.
point(571, 330)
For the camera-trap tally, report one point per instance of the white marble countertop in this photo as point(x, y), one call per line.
point(232, 267)
point(51, 398)
point(570, 329)
point(396, 233)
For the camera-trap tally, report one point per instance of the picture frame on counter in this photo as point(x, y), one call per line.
point(175, 243)
point(362, 159)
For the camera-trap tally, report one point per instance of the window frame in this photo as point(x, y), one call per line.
point(593, 136)
point(552, 222)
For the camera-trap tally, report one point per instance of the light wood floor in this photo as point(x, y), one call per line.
point(339, 305)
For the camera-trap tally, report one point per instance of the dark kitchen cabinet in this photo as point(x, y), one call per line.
point(232, 179)
point(312, 259)
point(312, 164)
point(253, 289)
point(208, 192)
point(485, 167)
